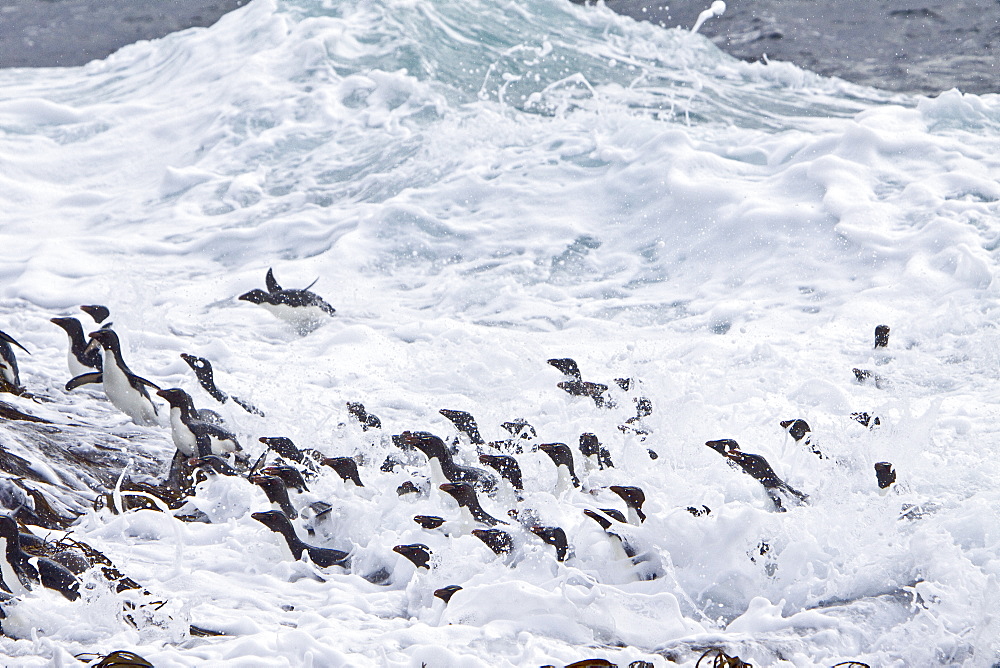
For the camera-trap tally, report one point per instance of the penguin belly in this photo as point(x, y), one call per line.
point(126, 398)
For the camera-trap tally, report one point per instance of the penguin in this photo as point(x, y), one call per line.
point(203, 371)
point(508, 468)
point(366, 419)
point(867, 419)
point(417, 553)
point(443, 467)
point(562, 457)
point(590, 446)
point(125, 390)
point(864, 376)
point(345, 467)
point(618, 543)
point(289, 475)
point(633, 498)
point(759, 468)
point(10, 378)
point(276, 492)
point(303, 309)
point(885, 475)
point(97, 312)
point(192, 436)
point(445, 593)
point(19, 569)
point(429, 522)
point(577, 386)
point(882, 336)
point(497, 540)
point(799, 431)
point(82, 358)
point(323, 557)
point(465, 423)
point(465, 495)
point(555, 537)
point(521, 432)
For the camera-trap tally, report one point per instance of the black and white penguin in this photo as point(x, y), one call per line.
point(277, 493)
point(203, 371)
point(289, 475)
point(882, 336)
point(591, 447)
point(465, 495)
point(193, 436)
point(443, 467)
point(10, 377)
point(366, 419)
point(82, 356)
point(445, 593)
point(509, 470)
point(562, 457)
point(497, 540)
point(634, 498)
point(303, 309)
point(465, 423)
point(759, 468)
point(20, 570)
point(417, 553)
point(345, 467)
point(555, 537)
point(125, 390)
point(323, 557)
point(577, 386)
point(800, 431)
point(885, 475)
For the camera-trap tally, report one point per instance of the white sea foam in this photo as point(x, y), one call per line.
point(481, 187)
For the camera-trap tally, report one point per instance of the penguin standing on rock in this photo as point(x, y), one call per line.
point(301, 308)
point(125, 390)
point(10, 378)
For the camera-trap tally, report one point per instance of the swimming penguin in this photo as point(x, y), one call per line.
point(498, 540)
point(367, 420)
point(82, 358)
point(759, 468)
point(20, 570)
point(799, 431)
point(10, 378)
point(323, 557)
point(417, 553)
point(577, 386)
point(555, 537)
point(865, 376)
point(465, 496)
point(507, 467)
point(443, 467)
point(521, 432)
point(345, 467)
point(429, 521)
point(445, 593)
point(289, 475)
point(885, 475)
point(633, 498)
point(192, 436)
point(465, 423)
point(276, 492)
point(125, 390)
point(882, 336)
point(590, 446)
point(562, 457)
point(618, 542)
point(303, 309)
point(203, 370)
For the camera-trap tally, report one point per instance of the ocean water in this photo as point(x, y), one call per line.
point(480, 187)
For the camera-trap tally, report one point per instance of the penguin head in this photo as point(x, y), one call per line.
point(256, 296)
point(96, 311)
point(107, 338)
point(71, 325)
point(462, 492)
point(197, 364)
point(796, 428)
point(445, 593)
point(177, 398)
point(426, 442)
point(722, 444)
point(555, 537)
point(275, 520)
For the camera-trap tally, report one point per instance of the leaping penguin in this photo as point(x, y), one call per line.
point(303, 309)
point(203, 370)
point(82, 357)
point(125, 390)
point(10, 378)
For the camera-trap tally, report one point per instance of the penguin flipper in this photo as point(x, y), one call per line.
point(272, 284)
point(311, 284)
point(84, 379)
point(139, 381)
point(4, 336)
